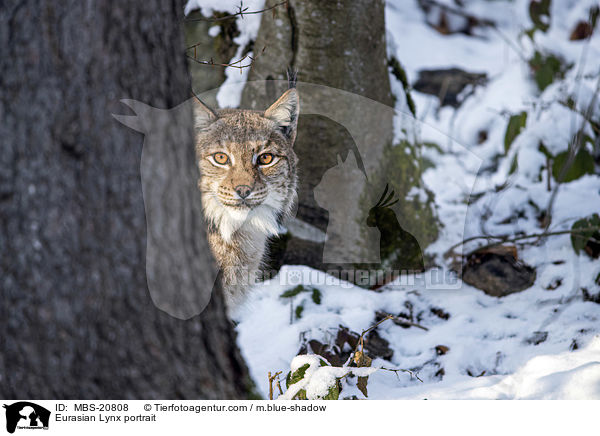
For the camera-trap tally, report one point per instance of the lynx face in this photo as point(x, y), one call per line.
point(247, 165)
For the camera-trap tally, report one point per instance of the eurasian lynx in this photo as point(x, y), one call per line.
point(248, 183)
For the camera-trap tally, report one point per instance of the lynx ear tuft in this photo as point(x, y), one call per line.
point(203, 115)
point(285, 113)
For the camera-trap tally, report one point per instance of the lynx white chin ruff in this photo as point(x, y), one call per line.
point(248, 183)
point(229, 220)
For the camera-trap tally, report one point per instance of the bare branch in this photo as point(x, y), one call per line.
point(270, 385)
point(374, 326)
point(240, 13)
point(408, 323)
point(397, 370)
point(271, 379)
point(236, 64)
point(503, 239)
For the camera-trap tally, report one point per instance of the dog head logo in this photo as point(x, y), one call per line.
point(26, 415)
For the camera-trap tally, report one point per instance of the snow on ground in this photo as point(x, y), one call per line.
point(482, 333)
point(538, 344)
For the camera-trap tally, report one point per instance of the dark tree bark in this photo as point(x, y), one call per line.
point(76, 317)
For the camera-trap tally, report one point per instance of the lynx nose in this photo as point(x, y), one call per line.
point(243, 190)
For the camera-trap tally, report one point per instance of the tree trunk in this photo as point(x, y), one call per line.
point(345, 131)
point(76, 316)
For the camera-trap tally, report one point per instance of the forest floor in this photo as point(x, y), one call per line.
point(541, 343)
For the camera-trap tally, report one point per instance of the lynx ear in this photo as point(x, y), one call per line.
point(203, 115)
point(285, 113)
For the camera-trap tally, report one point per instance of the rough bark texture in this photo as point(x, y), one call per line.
point(76, 317)
point(341, 45)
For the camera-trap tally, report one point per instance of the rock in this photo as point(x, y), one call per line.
point(448, 84)
point(497, 274)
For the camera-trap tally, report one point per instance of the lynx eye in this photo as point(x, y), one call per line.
point(265, 159)
point(220, 158)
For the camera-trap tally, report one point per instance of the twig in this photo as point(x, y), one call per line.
point(271, 378)
point(240, 13)
point(409, 323)
point(352, 356)
point(270, 385)
point(450, 250)
point(362, 335)
point(505, 238)
point(396, 371)
point(234, 64)
point(211, 62)
point(375, 325)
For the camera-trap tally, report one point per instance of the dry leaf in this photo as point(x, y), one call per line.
point(441, 350)
point(361, 384)
point(361, 359)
